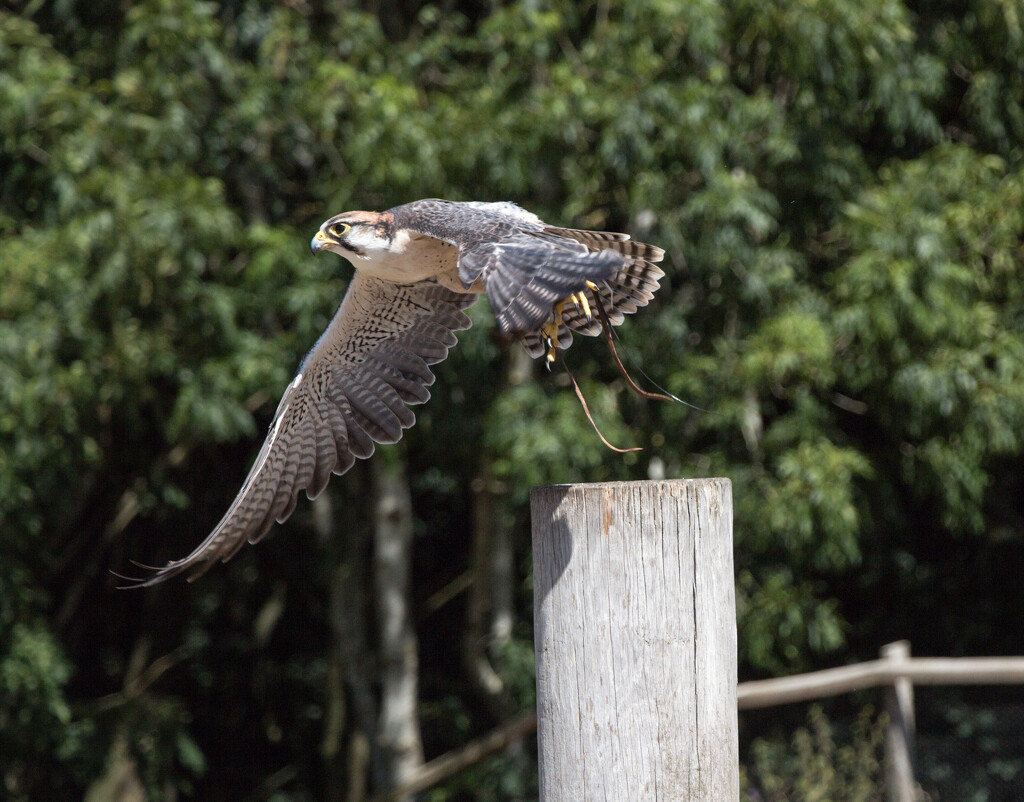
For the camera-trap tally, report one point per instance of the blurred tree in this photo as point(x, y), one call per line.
point(838, 185)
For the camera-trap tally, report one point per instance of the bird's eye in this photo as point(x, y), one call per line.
point(340, 229)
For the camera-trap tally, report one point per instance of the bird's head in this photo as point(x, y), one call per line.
point(360, 235)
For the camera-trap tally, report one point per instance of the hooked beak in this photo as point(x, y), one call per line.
point(319, 242)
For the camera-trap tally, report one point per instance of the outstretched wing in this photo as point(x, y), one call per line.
point(525, 275)
point(351, 392)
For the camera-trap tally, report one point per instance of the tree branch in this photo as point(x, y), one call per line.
point(451, 763)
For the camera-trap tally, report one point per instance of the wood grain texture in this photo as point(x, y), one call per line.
point(635, 632)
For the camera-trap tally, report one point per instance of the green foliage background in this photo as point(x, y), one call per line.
point(839, 185)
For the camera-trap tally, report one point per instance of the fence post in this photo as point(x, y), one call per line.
point(899, 740)
point(635, 632)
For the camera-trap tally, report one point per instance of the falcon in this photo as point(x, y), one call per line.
point(418, 267)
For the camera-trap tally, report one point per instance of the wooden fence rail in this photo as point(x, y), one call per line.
point(897, 672)
point(896, 666)
point(635, 630)
point(884, 672)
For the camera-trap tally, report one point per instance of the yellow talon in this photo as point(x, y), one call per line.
point(551, 345)
point(580, 299)
point(550, 331)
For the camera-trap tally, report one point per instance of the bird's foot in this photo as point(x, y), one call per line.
point(549, 334)
point(580, 299)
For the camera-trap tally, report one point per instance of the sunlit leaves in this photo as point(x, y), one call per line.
point(779, 611)
point(932, 319)
point(843, 292)
point(528, 454)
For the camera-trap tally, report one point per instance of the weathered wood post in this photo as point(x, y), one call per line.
point(899, 739)
point(635, 632)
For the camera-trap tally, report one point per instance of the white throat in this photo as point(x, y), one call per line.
point(404, 260)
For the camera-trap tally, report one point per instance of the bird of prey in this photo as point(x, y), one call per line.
point(417, 268)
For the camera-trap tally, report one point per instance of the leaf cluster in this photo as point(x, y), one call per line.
point(838, 186)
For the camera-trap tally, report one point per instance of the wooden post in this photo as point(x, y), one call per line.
point(899, 740)
point(635, 631)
